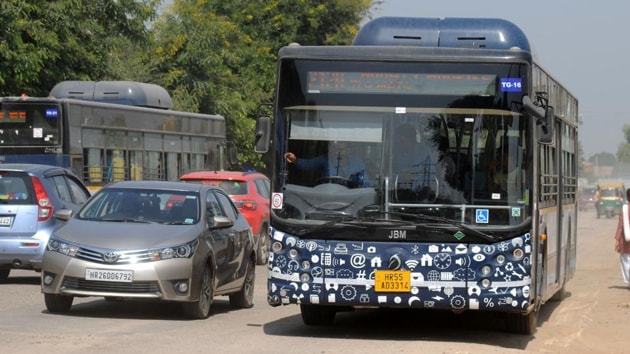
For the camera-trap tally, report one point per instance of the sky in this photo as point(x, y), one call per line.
point(584, 44)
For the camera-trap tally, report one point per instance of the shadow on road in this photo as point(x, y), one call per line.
point(408, 325)
point(138, 309)
point(30, 280)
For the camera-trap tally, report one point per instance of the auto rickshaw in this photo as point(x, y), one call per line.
point(610, 198)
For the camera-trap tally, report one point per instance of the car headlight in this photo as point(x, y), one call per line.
point(130, 256)
point(62, 247)
point(182, 251)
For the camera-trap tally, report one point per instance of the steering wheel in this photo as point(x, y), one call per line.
point(334, 179)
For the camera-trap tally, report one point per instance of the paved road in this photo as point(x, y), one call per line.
point(593, 318)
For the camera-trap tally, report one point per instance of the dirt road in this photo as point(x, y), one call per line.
point(594, 318)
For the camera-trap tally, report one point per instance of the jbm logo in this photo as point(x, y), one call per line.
point(397, 234)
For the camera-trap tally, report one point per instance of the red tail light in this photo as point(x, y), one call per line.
point(245, 204)
point(45, 207)
point(249, 204)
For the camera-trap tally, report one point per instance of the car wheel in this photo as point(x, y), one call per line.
point(4, 275)
point(263, 241)
point(58, 303)
point(314, 315)
point(200, 309)
point(245, 297)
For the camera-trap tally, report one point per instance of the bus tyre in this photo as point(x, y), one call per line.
point(560, 294)
point(4, 275)
point(522, 324)
point(58, 303)
point(313, 315)
point(263, 241)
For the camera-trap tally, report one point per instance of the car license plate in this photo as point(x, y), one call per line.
point(125, 276)
point(5, 220)
point(394, 281)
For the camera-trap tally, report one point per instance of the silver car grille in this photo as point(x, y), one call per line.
point(121, 257)
point(139, 287)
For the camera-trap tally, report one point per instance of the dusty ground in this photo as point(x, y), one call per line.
point(594, 318)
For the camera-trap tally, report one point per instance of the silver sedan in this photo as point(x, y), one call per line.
point(170, 241)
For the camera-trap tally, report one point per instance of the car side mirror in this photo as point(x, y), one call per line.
point(63, 214)
point(219, 222)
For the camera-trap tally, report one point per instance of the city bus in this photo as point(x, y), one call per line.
point(109, 131)
point(484, 220)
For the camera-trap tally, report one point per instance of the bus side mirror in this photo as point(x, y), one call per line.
point(232, 153)
point(263, 129)
point(545, 127)
point(544, 115)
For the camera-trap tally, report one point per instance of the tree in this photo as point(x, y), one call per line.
point(44, 42)
point(219, 56)
point(623, 151)
point(603, 159)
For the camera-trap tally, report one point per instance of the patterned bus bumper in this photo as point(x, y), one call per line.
point(453, 276)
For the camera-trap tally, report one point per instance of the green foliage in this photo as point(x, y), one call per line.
point(623, 151)
point(213, 56)
point(218, 56)
point(603, 159)
point(44, 42)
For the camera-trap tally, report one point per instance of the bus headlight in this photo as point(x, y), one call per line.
point(293, 253)
point(306, 264)
point(485, 283)
point(276, 247)
point(500, 259)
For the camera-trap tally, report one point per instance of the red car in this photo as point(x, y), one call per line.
point(250, 192)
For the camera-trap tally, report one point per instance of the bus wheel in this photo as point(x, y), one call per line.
point(263, 241)
point(560, 295)
point(313, 315)
point(4, 275)
point(522, 324)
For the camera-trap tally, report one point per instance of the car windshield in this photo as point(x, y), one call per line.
point(230, 186)
point(610, 193)
point(14, 188)
point(588, 192)
point(143, 205)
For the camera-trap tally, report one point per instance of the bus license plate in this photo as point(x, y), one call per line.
point(5, 220)
point(395, 281)
point(125, 276)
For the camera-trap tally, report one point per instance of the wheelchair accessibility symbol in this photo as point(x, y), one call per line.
point(481, 216)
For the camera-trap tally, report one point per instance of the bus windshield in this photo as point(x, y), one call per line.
point(458, 152)
point(30, 124)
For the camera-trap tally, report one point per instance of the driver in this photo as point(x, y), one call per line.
point(342, 161)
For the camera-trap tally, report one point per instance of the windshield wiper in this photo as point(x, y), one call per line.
point(127, 220)
point(360, 222)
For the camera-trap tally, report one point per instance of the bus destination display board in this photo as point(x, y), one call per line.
point(348, 82)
